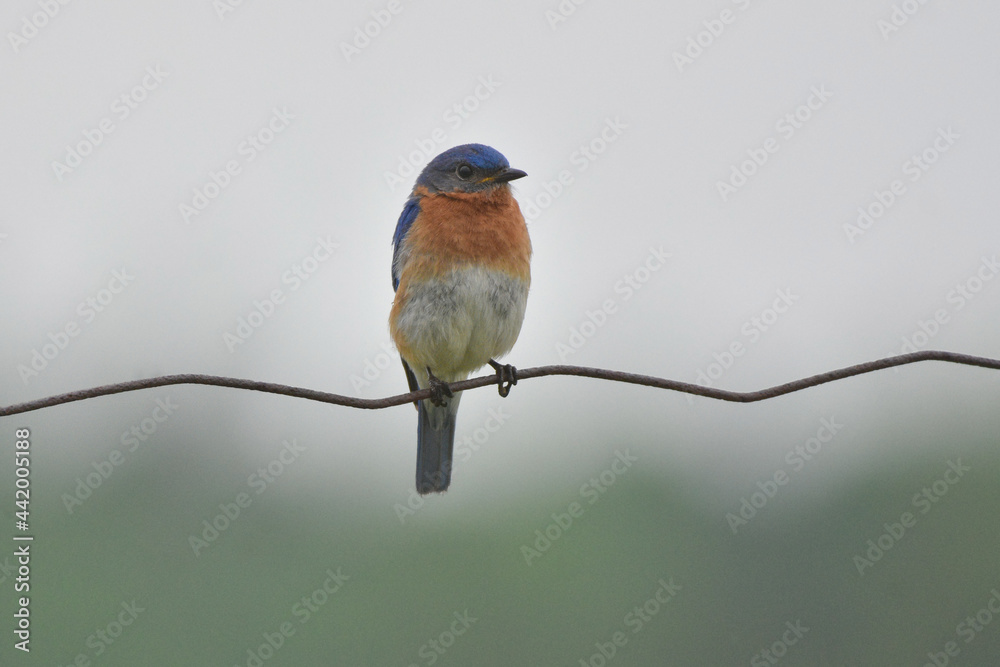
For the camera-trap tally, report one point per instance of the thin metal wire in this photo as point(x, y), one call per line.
point(522, 374)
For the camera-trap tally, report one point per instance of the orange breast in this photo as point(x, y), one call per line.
point(458, 228)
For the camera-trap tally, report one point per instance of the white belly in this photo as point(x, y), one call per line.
point(456, 324)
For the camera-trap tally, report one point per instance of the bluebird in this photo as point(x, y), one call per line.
point(461, 271)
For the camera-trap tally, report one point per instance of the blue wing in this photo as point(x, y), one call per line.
point(410, 212)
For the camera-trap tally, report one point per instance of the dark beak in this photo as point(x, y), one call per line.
point(509, 174)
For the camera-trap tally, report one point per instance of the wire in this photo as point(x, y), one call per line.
point(522, 374)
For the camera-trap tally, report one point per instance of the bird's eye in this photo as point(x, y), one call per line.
point(464, 171)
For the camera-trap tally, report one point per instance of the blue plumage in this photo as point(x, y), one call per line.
point(466, 168)
point(461, 289)
point(478, 156)
point(410, 212)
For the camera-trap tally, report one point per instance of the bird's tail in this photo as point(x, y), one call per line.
point(435, 442)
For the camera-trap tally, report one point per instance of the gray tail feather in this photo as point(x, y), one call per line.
point(435, 442)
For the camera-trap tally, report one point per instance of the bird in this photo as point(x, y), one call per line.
point(460, 272)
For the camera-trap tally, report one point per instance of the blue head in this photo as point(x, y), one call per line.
point(467, 168)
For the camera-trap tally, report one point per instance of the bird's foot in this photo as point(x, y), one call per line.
point(439, 389)
point(506, 377)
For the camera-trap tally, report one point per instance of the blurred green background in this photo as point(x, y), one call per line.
point(408, 570)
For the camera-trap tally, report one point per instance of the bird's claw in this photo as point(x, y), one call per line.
point(506, 377)
point(439, 389)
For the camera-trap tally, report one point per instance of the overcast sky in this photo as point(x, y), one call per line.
point(204, 154)
point(742, 193)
